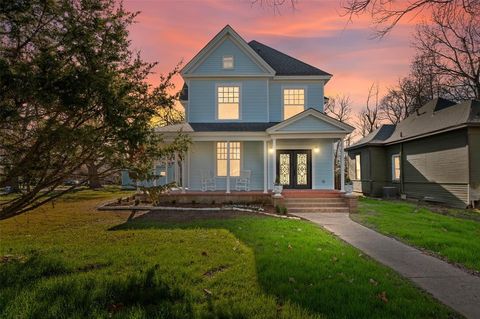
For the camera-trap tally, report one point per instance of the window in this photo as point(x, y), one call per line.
point(228, 98)
point(396, 167)
point(293, 102)
point(222, 158)
point(358, 165)
point(228, 62)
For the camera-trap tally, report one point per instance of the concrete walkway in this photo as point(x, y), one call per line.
point(447, 283)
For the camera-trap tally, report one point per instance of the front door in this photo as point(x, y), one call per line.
point(294, 168)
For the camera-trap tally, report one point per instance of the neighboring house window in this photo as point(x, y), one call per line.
point(358, 165)
point(228, 62)
point(222, 158)
point(228, 98)
point(293, 102)
point(396, 167)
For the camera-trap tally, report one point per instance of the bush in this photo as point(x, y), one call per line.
point(281, 209)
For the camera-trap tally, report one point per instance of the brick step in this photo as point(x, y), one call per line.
point(313, 205)
point(314, 202)
point(319, 210)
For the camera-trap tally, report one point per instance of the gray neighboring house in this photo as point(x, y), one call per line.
point(434, 154)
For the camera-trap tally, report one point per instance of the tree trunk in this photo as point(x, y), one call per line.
point(93, 179)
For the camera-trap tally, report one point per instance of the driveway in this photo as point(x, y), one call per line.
point(449, 284)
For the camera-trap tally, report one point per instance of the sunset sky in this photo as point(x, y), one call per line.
point(315, 32)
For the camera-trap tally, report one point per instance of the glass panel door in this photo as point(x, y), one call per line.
point(294, 168)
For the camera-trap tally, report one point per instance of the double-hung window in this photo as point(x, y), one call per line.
point(228, 100)
point(358, 167)
point(396, 167)
point(293, 102)
point(223, 156)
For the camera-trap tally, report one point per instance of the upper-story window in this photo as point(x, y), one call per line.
point(228, 98)
point(293, 102)
point(228, 62)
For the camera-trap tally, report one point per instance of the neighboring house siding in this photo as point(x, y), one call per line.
point(313, 98)
point(322, 162)
point(362, 185)
point(437, 167)
point(474, 150)
point(202, 105)
point(202, 158)
point(309, 123)
point(213, 64)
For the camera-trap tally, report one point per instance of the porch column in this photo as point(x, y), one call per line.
point(184, 172)
point(228, 167)
point(154, 173)
point(166, 171)
point(274, 159)
point(265, 167)
point(176, 170)
point(342, 166)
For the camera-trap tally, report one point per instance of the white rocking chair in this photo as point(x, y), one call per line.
point(243, 181)
point(208, 182)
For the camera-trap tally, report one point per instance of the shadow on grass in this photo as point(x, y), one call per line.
point(61, 292)
point(299, 264)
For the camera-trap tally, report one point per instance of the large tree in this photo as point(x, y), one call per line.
point(72, 92)
point(451, 40)
point(369, 118)
point(386, 14)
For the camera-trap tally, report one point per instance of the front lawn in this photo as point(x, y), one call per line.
point(453, 238)
point(72, 261)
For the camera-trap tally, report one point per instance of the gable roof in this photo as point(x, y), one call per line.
point(376, 137)
point(217, 39)
point(342, 127)
point(437, 116)
point(284, 64)
point(271, 60)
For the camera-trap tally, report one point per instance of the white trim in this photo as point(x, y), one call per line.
point(228, 168)
point(342, 166)
point(227, 31)
point(393, 167)
point(314, 168)
point(292, 87)
point(307, 135)
point(188, 93)
point(274, 160)
point(265, 167)
point(268, 100)
point(240, 100)
point(311, 112)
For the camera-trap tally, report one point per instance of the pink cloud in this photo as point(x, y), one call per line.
point(169, 31)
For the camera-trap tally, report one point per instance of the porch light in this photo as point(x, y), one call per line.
point(271, 150)
point(163, 173)
point(316, 150)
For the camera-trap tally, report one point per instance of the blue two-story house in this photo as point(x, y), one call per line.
point(255, 115)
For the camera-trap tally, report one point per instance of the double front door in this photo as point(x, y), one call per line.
point(294, 168)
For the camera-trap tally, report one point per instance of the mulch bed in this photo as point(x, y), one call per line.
point(188, 216)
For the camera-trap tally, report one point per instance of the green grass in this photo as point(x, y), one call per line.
point(70, 261)
point(445, 234)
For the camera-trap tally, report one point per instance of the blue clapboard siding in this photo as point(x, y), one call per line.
point(213, 64)
point(309, 123)
point(203, 100)
point(314, 96)
point(202, 158)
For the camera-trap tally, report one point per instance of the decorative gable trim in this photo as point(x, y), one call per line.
point(226, 33)
point(342, 127)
